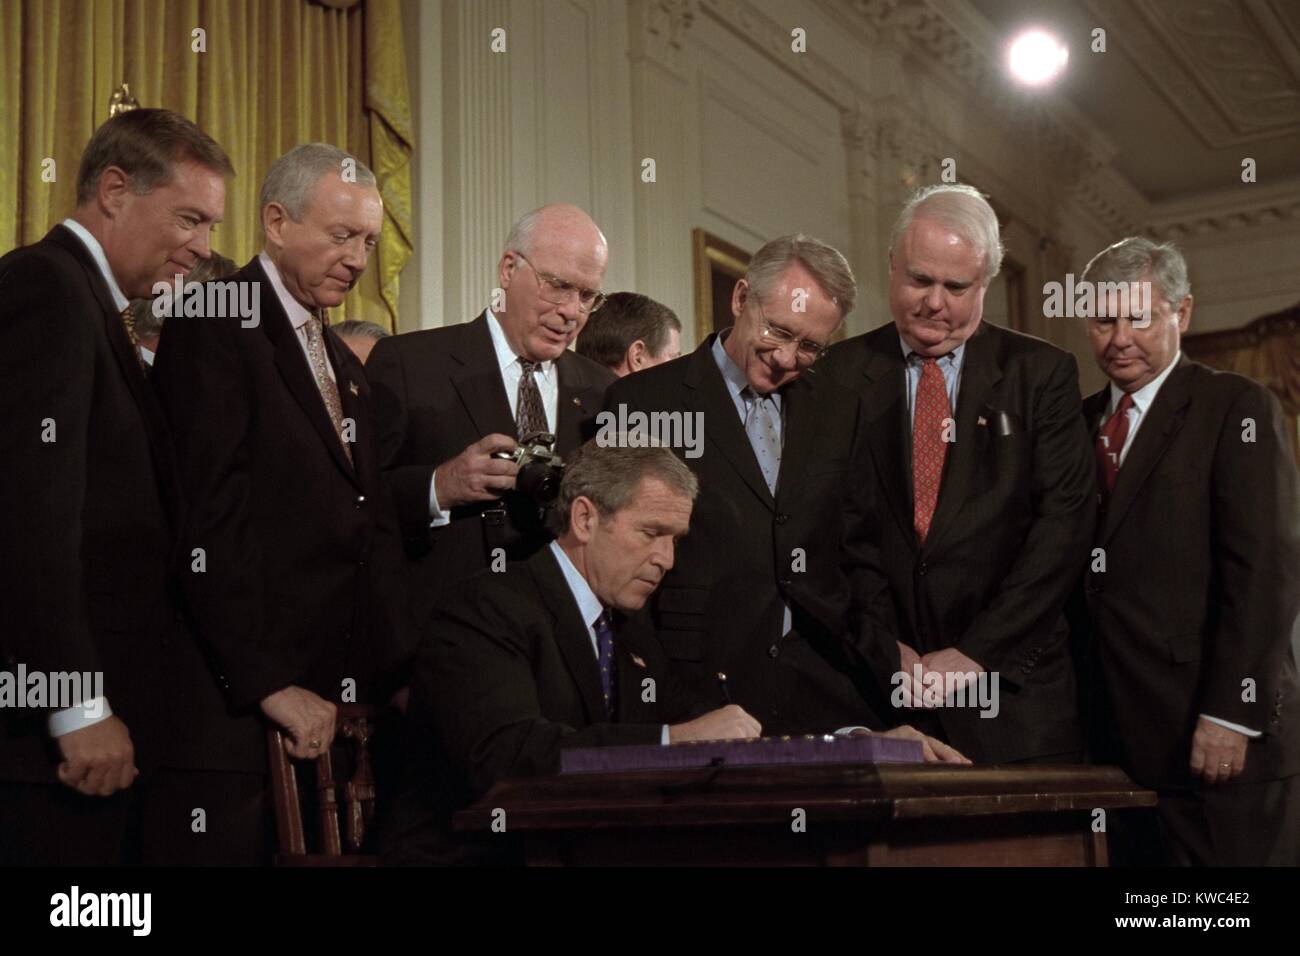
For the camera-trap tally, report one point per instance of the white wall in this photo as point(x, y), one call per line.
point(751, 140)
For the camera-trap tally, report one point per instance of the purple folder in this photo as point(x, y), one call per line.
point(766, 751)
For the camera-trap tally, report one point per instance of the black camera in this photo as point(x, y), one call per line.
point(540, 468)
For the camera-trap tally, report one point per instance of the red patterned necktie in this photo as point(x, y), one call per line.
point(929, 450)
point(1110, 442)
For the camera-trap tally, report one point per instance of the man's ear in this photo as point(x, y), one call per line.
point(637, 356)
point(506, 268)
point(1185, 314)
point(582, 518)
point(739, 296)
point(114, 184)
point(273, 219)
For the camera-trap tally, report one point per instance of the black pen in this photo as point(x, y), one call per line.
point(722, 685)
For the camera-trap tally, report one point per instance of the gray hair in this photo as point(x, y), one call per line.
point(827, 265)
point(358, 328)
point(964, 210)
point(290, 179)
point(608, 475)
point(521, 233)
point(1129, 259)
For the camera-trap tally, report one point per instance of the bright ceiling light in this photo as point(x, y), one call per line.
point(1037, 57)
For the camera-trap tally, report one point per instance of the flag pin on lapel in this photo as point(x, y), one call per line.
point(636, 659)
point(352, 387)
point(981, 420)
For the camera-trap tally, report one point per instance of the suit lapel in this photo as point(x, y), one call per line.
point(125, 354)
point(1158, 428)
point(887, 425)
point(706, 391)
point(571, 408)
point(633, 633)
point(479, 384)
point(979, 373)
point(292, 365)
point(571, 634)
point(354, 408)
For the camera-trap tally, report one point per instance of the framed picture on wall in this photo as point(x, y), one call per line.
point(718, 264)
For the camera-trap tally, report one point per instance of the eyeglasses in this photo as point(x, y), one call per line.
point(559, 291)
point(806, 351)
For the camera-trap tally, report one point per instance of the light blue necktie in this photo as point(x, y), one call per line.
point(760, 426)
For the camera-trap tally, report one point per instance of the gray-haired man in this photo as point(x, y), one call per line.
point(290, 544)
point(1192, 678)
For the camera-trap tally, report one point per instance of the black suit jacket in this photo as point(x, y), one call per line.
point(87, 515)
point(505, 679)
point(1201, 587)
point(1010, 531)
point(303, 582)
point(814, 545)
point(437, 392)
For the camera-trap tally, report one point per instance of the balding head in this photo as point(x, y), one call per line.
point(554, 258)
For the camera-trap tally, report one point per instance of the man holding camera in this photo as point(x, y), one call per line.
point(452, 401)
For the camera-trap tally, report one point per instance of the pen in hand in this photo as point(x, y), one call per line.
point(722, 685)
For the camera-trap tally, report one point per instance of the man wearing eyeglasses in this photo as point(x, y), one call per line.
point(777, 586)
point(449, 398)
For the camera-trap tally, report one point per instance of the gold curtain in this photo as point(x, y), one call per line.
point(274, 73)
point(1267, 350)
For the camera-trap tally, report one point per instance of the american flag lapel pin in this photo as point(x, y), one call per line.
point(637, 660)
point(352, 387)
point(981, 421)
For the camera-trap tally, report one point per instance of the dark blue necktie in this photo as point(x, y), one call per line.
point(604, 628)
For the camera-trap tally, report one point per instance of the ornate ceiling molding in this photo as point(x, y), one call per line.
point(1226, 67)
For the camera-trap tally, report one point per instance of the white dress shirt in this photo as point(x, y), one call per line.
point(65, 721)
point(548, 384)
point(297, 312)
point(588, 604)
point(1142, 400)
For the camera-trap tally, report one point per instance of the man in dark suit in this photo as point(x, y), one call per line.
point(293, 569)
point(1193, 590)
point(447, 399)
point(984, 478)
point(778, 585)
point(554, 652)
point(91, 499)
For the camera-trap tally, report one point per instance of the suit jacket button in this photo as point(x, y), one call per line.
point(361, 500)
point(922, 568)
point(782, 518)
point(773, 651)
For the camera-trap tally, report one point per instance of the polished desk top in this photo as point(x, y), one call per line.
point(833, 793)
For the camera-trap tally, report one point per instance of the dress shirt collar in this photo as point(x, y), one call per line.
point(1145, 395)
point(589, 605)
point(732, 374)
point(97, 253)
point(953, 358)
point(505, 353)
point(297, 312)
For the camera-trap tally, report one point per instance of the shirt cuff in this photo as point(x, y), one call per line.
point(1231, 726)
point(663, 737)
point(847, 731)
point(436, 517)
point(80, 717)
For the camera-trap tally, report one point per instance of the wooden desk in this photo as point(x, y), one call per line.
point(880, 815)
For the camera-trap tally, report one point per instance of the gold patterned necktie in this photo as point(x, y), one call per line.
point(329, 389)
point(128, 322)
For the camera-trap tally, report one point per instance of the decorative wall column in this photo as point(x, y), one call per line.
point(661, 90)
point(477, 182)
